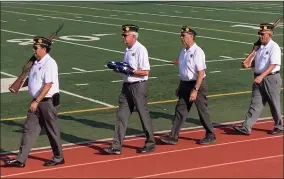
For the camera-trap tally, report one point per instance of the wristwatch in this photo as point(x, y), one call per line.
point(195, 88)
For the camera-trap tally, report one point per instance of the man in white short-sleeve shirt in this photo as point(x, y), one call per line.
point(134, 93)
point(267, 83)
point(192, 88)
point(43, 86)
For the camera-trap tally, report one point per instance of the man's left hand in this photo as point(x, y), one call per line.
point(193, 95)
point(258, 79)
point(33, 106)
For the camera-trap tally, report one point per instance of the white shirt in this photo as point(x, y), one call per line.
point(43, 71)
point(191, 61)
point(266, 55)
point(137, 58)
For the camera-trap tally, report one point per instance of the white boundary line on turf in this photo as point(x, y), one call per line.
point(217, 9)
point(140, 13)
point(211, 166)
point(153, 30)
point(72, 94)
point(73, 43)
point(142, 156)
point(122, 19)
point(130, 137)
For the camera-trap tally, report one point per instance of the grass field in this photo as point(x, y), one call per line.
point(92, 36)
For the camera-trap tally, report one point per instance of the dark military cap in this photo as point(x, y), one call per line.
point(130, 27)
point(39, 40)
point(264, 27)
point(188, 29)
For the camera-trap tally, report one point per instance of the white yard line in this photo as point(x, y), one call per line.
point(84, 84)
point(154, 30)
point(88, 99)
point(116, 81)
point(225, 57)
point(73, 43)
point(148, 22)
point(215, 72)
point(78, 69)
point(8, 74)
point(140, 13)
point(72, 94)
point(22, 20)
point(3, 21)
point(217, 9)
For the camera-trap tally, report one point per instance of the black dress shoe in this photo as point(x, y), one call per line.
point(275, 131)
point(169, 139)
point(146, 149)
point(53, 163)
point(111, 150)
point(209, 139)
point(14, 163)
point(241, 130)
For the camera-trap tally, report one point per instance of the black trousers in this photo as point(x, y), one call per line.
point(183, 107)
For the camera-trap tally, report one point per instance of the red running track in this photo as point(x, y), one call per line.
point(256, 156)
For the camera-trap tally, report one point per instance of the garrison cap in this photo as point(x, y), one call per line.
point(39, 40)
point(130, 27)
point(188, 29)
point(265, 27)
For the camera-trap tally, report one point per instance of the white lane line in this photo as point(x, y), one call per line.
point(73, 94)
point(142, 156)
point(211, 166)
point(116, 81)
point(134, 137)
point(78, 69)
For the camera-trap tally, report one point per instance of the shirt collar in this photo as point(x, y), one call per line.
point(133, 47)
point(43, 59)
point(191, 48)
point(267, 45)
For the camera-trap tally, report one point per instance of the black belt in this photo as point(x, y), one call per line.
point(192, 81)
point(273, 73)
point(131, 83)
point(45, 99)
